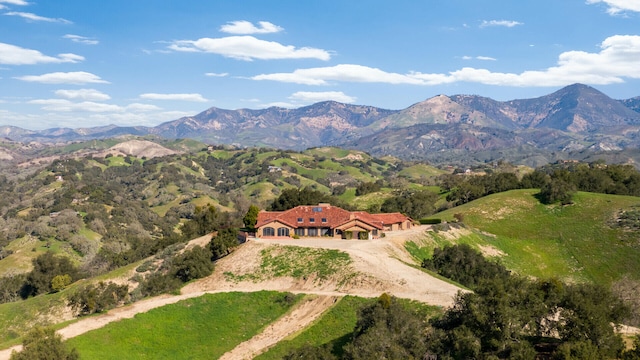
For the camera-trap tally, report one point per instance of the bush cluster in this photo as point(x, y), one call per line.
point(95, 298)
point(505, 317)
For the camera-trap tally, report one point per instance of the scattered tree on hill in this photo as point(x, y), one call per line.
point(13, 288)
point(221, 244)
point(59, 282)
point(205, 220)
point(192, 264)
point(45, 268)
point(44, 344)
point(365, 188)
point(95, 298)
point(251, 218)
point(387, 330)
point(413, 203)
point(465, 265)
point(557, 191)
point(290, 198)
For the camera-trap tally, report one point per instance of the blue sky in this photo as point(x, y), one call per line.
point(79, 63)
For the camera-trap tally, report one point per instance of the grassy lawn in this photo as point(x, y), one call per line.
point(201, 328)
point(575, 242)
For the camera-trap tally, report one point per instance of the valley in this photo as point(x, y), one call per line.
point(80, 202)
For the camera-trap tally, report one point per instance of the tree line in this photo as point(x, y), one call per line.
point(558, 182)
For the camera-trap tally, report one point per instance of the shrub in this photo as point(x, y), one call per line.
point(430, 221)
point(158, 283)
point(192, 264)
point(97, 298)
point(44, 343)
point(557, 191)
point(465, 265)
point(59, 282)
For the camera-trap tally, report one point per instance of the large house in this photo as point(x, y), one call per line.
point(327, 220)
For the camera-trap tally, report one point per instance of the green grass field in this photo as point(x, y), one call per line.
point(575, 243)
point(200, 328)
point(334, 328)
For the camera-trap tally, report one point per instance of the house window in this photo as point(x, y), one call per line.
point(283, 231)
point(268, 231)
point(312, 220)
point(312, 232)
point(324, 220)
point(299, 220)
point(374, 232)
point(299, 231)
point(325, 232)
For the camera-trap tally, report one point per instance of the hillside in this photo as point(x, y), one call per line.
point(575, 121)
point(579, 242)
point(120, 217)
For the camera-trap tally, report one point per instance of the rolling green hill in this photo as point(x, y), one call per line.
point(579, 242)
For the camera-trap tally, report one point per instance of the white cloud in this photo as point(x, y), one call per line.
point(81, 39)
point(142, 107)
point(618, 6)
point(76, 77)
point(62, 105)
point(248, 48)
point(619, 58)
point(83, 94)
point(15, 2)
point(34, 17)
point(483, 58)
point(15, 55)
point(179, 97)
point(506, 23)
point(280, 104)
point(244, 27)
point(216, 74)
point(70, 119)
point(313, 97)
point(342, 72)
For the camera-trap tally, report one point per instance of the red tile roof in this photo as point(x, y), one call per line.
point(391, 218)
point(301, 216)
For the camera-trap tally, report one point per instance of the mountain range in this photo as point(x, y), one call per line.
point(576, 118)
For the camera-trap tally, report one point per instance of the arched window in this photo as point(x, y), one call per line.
point(283, 231)
point(268, 231)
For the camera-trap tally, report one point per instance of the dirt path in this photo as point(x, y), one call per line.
point(297, 319)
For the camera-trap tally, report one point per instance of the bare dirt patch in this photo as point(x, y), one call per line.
point(488, 250)
point(139, 148)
